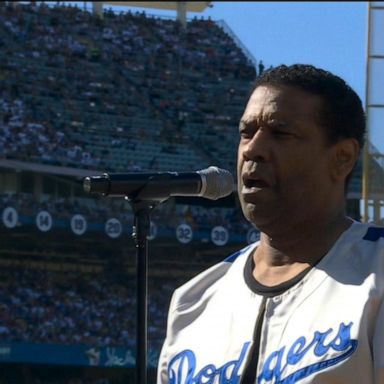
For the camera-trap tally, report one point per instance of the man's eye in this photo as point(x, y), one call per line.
point(245, 134)
point(283, 133)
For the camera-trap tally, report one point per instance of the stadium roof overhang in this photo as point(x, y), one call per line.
point(57, 170)
point(191, 6)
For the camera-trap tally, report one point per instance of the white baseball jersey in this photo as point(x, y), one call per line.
point(324, 327)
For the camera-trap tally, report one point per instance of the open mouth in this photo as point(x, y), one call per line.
point(255, 183)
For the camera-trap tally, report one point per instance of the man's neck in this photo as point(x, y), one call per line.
point(282, 256)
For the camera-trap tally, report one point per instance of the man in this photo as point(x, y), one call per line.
point(305, 303)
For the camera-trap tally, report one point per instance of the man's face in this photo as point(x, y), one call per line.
point(283, 158)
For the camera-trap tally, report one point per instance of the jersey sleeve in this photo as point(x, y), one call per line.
point(192, 294)
point(162, 372)
point(186, 304)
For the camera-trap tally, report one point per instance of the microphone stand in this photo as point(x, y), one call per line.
point(145, 191)
point(141, 228)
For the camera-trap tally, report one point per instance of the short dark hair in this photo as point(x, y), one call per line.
point(342, 114)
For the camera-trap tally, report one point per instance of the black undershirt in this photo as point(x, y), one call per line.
point(264, 290)
point(249, 375)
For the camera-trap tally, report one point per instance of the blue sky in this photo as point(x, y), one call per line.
point(330, 35)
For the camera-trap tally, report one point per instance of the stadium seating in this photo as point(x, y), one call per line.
point(124, 91)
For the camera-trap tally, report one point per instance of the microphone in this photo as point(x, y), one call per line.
point(211, 183)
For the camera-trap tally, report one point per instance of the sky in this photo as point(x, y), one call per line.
point(330, 35)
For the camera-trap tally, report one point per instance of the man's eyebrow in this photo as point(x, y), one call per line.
point(253, 121)
point(243, 124)
point(246, 122)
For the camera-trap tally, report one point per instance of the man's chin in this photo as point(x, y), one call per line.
point(259, 215)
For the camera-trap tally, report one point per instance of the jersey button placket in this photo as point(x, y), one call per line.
point(271, 306)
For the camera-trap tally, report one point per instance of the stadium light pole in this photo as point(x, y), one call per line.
point(366, 150)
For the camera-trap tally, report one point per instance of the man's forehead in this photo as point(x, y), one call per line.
point(276, 94)
point(265, 101)
point(271, 100)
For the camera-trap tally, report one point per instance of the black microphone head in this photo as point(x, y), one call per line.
point(217, 183)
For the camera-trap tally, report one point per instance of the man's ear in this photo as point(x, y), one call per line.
point(346, 153)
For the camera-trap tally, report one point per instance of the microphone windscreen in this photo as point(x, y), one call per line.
point(217, 183)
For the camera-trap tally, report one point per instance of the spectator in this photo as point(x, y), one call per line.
point(261, 68)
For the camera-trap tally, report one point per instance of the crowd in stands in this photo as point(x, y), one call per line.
point(125, 90)
point(43, 306)
point(30, 140)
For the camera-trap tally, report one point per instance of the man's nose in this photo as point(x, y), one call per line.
point(258, 148)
